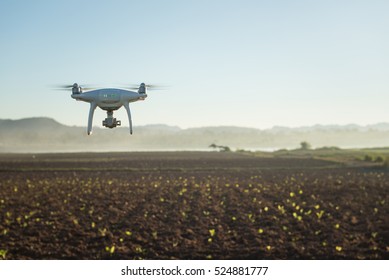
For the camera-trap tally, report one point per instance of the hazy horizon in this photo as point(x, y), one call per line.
point(48, 135)
point(97, 124)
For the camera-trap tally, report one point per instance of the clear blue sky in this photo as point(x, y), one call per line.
point(245, 63)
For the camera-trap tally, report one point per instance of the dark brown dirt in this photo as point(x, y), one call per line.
point(190, 205)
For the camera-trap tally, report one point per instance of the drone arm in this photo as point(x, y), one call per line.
point(90, 118)
point(127, 106)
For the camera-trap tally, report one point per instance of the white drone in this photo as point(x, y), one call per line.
point(108, 99)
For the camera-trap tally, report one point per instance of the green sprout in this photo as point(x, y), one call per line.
point(320, 214)
point(3, 254)
point(281, 209)
point(184, 190)
point(338, 248)
point(299, 218)
point(111, 249)
point(103, 232)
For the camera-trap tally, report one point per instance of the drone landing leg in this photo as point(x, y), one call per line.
point(90, 118)
point(127, 106)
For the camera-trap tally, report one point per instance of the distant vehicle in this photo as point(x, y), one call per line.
point(108, 99)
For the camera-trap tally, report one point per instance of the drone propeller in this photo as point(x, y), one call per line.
point(62, 87)
point(148, 86)
point(67, 87)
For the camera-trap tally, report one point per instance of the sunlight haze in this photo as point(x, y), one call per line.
point(240, 63)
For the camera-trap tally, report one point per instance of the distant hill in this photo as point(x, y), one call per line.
point(47, 135)
point(30, 124)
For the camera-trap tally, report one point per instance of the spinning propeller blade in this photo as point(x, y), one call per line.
point(62, 87)
point(148, 86)
point(70, 86)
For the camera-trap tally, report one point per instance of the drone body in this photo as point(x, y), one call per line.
point(108, 99)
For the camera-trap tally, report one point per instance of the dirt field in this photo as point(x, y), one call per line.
point(190, 205)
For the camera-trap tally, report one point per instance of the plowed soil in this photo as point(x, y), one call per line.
point(190, 205)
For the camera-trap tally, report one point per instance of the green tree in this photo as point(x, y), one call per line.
point(368, 158)
point(220, 147)
point(225, 149)
point(213, 146)
point(305, 145)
